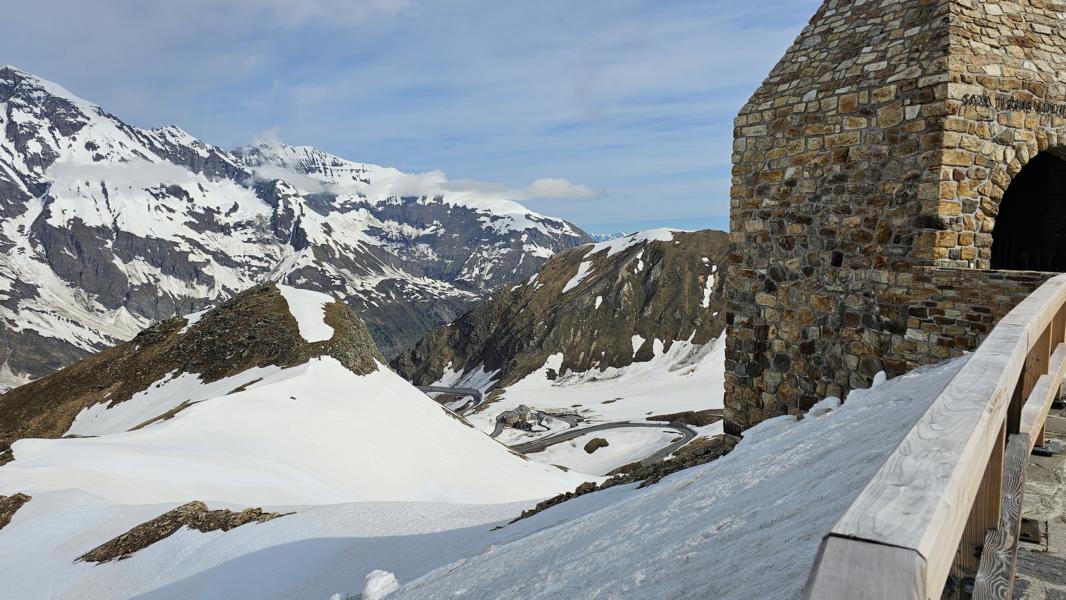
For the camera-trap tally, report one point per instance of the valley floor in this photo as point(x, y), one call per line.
point(685, 377)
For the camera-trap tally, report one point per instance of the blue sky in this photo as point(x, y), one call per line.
point(631, 99)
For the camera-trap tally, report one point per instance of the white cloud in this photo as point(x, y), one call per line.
point(553, 187)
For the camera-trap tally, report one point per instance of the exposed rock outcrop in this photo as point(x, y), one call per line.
point(695, 418)
point(9, 505)
point(193, 515)
point(595, 444)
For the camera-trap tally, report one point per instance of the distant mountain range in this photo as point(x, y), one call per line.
point(106, 228)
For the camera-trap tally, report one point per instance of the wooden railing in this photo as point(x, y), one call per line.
point(943, 512)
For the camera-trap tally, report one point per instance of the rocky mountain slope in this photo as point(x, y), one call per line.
point(600, 306)
point(620, 339)
point(106, 228)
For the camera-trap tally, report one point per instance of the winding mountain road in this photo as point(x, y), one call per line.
point(456, 391)
point(543, 443)
point(539, 445)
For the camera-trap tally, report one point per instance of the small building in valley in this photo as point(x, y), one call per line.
point(899, 183)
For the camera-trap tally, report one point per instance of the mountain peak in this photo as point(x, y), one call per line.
point(14, 76)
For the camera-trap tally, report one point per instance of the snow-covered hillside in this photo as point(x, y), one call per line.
point(688, 377)
point(754, 516)
point(745, 526)
point(338, 439)
point(311, 434)
point(107, 227)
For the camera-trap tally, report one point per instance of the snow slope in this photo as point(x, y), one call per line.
point(379, 475)
point(313, 434)
point(745, 526)
point(755, 516)
point(310, 555)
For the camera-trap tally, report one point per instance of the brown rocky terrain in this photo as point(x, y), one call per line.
point(193, 515)
point(253, 329)
point(9, 505)
point(653, 289)
point(695, 418)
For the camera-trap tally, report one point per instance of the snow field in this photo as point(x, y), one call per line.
point(312, 434)
point(747, 525)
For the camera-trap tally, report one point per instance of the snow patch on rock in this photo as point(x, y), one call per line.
point(309, 309)
point(582, 272)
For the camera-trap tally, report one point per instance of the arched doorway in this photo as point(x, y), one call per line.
point(1030, 230)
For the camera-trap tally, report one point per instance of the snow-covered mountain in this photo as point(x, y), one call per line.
point(606, 237)
point(106, 228)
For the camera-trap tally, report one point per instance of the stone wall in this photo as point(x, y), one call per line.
point(868, 170)
point(861, 322)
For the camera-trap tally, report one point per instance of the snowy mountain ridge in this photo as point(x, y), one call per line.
point(107, 228)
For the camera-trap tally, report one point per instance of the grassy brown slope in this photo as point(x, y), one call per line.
point(253, 329)
point(521, 326)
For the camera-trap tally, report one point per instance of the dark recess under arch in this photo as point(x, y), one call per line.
point(1030, 230)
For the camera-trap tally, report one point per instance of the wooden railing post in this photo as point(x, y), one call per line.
point(995, 577)
point(1036, 364)
point(984, 515)
point(1058, 328)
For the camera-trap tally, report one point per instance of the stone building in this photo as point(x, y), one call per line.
point(898, 186)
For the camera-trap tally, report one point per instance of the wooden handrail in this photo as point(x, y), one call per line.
point(929, 508)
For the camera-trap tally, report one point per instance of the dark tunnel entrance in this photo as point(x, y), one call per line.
point(1030, 230)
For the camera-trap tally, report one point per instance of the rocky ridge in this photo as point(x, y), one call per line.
point(254, 329)
point(599, 305)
